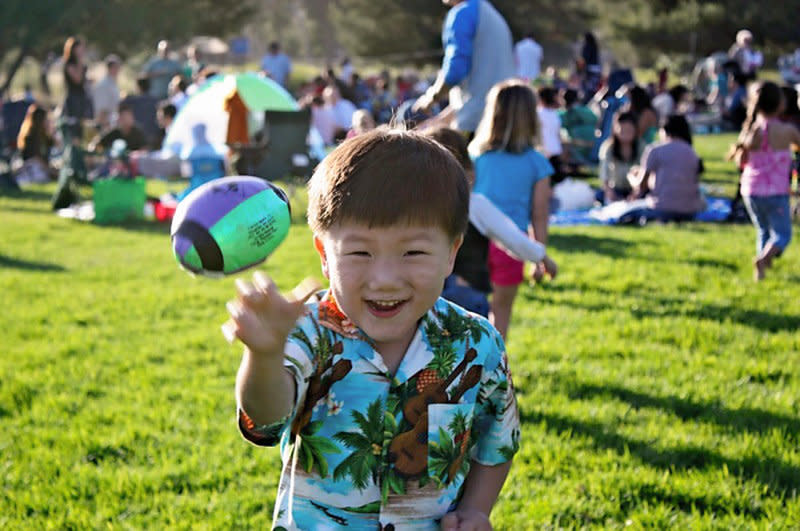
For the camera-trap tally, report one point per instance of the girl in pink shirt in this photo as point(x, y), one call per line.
point(765, 145)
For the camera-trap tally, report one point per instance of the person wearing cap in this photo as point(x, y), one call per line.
point(742, 52)
point(106, 95)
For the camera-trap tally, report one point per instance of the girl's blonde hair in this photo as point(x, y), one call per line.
point(509, 121)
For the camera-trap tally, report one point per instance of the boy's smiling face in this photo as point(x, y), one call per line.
point(386, 278)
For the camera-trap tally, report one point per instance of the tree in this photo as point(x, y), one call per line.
point(395, 32)
point(32, 27)
point(699, 27)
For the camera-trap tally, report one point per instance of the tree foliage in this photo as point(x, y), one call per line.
point(396, 30)
point(32, 27)
point(703, 26)
point(392, 31)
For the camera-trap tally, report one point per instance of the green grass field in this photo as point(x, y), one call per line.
point(659, 386)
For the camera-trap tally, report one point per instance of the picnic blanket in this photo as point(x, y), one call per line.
point(717, 210)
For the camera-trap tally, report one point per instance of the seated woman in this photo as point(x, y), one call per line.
point(617, 156)
point(34, 142)
point(669, 176)
point(640, 104)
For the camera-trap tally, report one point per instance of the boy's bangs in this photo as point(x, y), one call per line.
point(390, 178)
point(409, 190)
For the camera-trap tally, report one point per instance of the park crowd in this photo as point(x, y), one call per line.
point(520, 134)
point(587, 119)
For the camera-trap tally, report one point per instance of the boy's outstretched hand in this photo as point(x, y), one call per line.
point(261, 317)
point(546, 267)
point(466, 520)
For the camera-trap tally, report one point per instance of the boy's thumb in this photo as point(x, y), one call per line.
point(303, 291)
point(449, 522)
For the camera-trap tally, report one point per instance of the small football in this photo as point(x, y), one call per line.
point(229, 224)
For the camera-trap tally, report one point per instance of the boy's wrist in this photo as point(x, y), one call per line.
point(265, 359)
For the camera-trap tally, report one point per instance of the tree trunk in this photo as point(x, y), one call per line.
point(12, 71)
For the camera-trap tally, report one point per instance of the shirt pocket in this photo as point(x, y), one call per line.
point(449, 441)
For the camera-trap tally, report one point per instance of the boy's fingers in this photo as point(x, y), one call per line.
point(229, 331)
point(449, 522)
point(234, 309)
point(263, 282)
point(250, 295)
point(244, 288)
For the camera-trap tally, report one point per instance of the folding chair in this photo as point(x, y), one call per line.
point(287, 153)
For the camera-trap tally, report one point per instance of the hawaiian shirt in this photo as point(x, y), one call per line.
point(367, 450)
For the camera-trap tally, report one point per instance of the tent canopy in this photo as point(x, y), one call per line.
point(206, 106)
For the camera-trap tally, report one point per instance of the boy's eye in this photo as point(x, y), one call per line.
point(358, 253)
point(415, 252)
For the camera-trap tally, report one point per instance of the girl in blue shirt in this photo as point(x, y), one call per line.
point(516, 178)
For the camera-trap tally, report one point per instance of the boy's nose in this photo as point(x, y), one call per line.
point(384, 275)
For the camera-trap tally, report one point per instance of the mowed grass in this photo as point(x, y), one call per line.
point(658, 385)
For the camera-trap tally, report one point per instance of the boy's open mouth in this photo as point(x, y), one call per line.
point(384, 308)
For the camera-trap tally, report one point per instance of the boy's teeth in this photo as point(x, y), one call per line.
point(385, 303)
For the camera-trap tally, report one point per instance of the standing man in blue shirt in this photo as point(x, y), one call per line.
point(276, 64)
point(478, 52)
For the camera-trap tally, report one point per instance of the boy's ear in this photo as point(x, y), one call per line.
point(453, 252)
point(320, 247)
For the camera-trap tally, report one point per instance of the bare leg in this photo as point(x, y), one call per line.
point(502, 301)
point(764, 261)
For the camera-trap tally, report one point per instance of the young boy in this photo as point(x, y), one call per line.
point(394, 408)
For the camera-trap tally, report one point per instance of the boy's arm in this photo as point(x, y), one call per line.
point(494, 224)
point(262, 318)
point(481, 489)
point(265, 390)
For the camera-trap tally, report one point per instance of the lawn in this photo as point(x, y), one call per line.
point(659, 386)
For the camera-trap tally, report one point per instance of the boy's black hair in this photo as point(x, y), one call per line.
point(455, 142)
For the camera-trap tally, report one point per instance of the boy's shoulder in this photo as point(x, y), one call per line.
point(448, 320)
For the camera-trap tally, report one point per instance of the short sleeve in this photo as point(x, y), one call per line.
point(541, 166)
point(497, 416)
point(299, 362)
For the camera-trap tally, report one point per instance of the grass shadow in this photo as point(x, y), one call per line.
point(664, 306)
point(140, 225)
point(749, 419)
point(27, 209)
point(759, 319)
point(33, 195)
point(712, 262)
point(580, 243)
point(29, 265)
point(771, 472)
point(684, 502)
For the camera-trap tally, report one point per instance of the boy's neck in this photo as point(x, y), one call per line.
point(392, 360)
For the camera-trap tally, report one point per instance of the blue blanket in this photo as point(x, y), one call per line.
point(717, 210)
